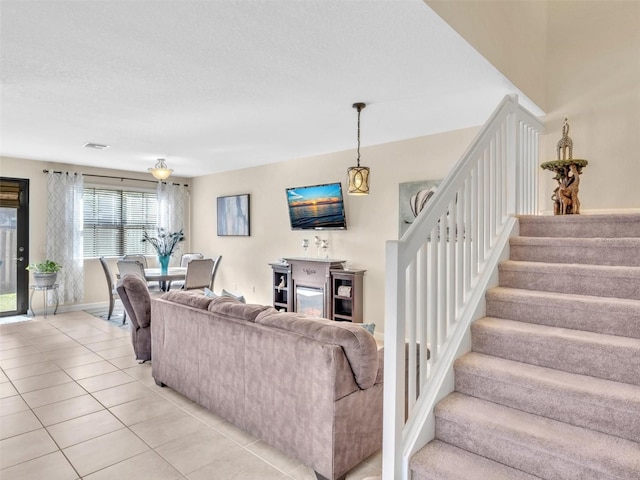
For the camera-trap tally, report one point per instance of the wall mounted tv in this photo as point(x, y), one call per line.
point(316, 207)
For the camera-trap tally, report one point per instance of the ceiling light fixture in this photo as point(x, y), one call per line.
point(160, 171)
point(358, 176)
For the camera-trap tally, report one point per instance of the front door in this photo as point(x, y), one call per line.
point(14, 246)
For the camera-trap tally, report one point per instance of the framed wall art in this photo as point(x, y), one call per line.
point(233, 215)
point(413, 198)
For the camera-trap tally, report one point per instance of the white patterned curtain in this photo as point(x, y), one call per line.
point(172, 201)
point(64, 233)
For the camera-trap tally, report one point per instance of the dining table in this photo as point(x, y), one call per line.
point(165, 279)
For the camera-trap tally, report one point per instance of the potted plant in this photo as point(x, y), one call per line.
point(45, 273)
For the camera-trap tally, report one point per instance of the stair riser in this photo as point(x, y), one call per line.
point(581, 226)
point(543, 463)
point(548, 422)
point(586, 256)
point(587, 317)
point(610, 362)
point(554, 281)
point(581, 411)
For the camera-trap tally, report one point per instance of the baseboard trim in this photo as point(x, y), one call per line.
point(72, 308)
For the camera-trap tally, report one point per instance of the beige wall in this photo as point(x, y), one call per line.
point(95, 285)
point(505, 33)
point(577, 59)
point(593, 78)
point(371, 219)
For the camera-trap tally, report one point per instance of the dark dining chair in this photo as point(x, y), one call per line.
point(216, 264)
point(113, 294)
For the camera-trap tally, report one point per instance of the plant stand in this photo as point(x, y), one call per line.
point(43, 289)
point(565, 196)
point(568, 171)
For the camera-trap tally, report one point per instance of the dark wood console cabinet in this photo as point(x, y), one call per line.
point(346, 295)
point(282, 298)
point(320, 287)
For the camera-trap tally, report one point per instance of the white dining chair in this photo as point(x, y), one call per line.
point(130, 266)
point(187, 257)
point(137, 268)
point(141, 258)
point(199, 274)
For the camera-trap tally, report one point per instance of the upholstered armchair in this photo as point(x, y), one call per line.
point(135, 297)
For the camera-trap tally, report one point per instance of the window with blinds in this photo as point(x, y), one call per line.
point(114, 221)
point(9, 194)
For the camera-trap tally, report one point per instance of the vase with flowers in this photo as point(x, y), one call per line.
point(164, 244)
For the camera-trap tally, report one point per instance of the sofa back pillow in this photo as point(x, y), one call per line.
point(359, 346)
point(185, 297)
point(233, 308)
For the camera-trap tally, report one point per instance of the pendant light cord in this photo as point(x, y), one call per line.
point(359, 110)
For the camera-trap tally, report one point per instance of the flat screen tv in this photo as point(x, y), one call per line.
point(316, 207)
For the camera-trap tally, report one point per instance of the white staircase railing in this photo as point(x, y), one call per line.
point(437, 274)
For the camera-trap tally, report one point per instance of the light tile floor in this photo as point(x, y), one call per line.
point(74, 403)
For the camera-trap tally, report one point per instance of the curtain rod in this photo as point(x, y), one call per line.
point(117, 178)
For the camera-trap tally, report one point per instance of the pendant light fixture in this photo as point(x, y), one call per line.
point(161, 171)
point(358, 176)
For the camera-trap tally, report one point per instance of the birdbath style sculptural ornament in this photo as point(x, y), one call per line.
point(568, 171)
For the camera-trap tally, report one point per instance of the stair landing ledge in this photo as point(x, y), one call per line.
point(580, 226)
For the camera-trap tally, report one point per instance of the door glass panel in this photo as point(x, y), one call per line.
point(8, 249)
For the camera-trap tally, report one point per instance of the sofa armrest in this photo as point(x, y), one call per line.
point(380, 376)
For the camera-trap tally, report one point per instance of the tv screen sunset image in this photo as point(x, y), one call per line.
point(318, 206)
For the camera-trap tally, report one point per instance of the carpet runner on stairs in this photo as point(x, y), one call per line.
point(551, 389)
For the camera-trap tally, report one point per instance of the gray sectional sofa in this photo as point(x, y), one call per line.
point(309, 387)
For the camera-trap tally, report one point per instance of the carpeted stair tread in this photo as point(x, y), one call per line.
point(594, 251)
point(537, 445)
point(613, 316)
point(603, 405)
point(441, 461)
point(552, 385)
point(596, 280)
point(603, 356)
point(584, 226)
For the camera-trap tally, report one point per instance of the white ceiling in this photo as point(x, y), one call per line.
point(219, 85)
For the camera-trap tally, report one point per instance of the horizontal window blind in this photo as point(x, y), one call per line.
point(9, 194)
point(115, 220)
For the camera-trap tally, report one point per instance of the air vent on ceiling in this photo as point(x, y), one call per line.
point(97, 146)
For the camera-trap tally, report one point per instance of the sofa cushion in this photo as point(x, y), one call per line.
point(359, 345)
point(210, 293)
point(186, 297)
point(369, 327)
point(240, 298)
point(231, 307)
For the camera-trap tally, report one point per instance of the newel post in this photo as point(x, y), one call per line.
point(394, 388)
